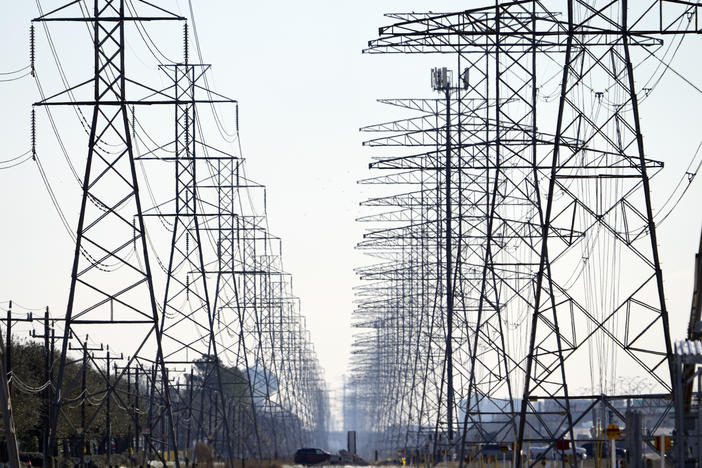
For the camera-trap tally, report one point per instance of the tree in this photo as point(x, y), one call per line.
point(234, 382)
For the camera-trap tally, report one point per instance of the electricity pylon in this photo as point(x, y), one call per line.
point(111, 291)
point(568, 255)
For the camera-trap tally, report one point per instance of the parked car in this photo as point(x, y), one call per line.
point(602, 449)
point(496, 451)
point(543, 452)
point(581, 452)
point(550, 453)
point(313, 456)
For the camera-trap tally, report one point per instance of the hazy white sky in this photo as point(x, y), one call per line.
point(304, 90)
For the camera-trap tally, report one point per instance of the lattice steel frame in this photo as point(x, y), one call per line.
point(563, 215)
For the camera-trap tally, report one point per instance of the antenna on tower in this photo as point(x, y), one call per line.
point(441, 78)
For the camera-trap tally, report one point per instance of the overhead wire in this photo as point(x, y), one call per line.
point(150, 43)
point(56, 132)
point(685, 182)
point(15, 71)
point(226, 136)
point(16, 161)
point(7, 80)
point(61, 72)
point(105, 267)
point(220, 127)
point(54, 201)
point(142, 132)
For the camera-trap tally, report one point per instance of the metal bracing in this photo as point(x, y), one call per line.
point(226, 358)
point(257, 321)
point(254, 319)
point(187, 324)
point(522, 249)
point(110, 223)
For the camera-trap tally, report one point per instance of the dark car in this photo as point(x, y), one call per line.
point(601, 449)
point(496, 451)
point(312, 456)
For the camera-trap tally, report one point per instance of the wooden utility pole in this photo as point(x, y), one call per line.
point(6, 403)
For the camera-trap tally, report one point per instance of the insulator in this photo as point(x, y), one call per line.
point(34, 135)
point(237, 117)
point(31, 49)
point(133, 123)
point(185, 42)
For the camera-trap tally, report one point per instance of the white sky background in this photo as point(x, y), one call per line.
point(304, 90)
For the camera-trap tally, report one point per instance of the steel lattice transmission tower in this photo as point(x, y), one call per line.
point(111, 291)
point(187, 325)
point(557, 243)
point(246, 322)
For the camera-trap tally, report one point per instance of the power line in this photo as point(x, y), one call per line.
point(15, 71)
point(16, 157)
point(6, 80)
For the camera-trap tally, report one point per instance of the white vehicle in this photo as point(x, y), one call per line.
point(544, 452)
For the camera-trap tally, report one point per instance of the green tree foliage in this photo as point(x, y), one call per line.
point(31, 400)
point(28, 402)
point(234, 382)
